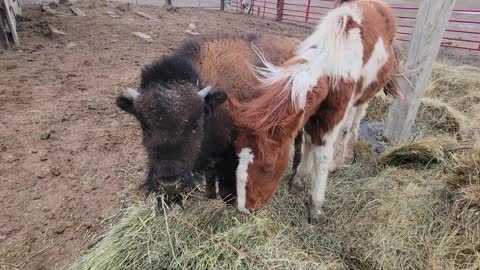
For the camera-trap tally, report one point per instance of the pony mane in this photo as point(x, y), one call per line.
point(271, 126)
point(332, 50)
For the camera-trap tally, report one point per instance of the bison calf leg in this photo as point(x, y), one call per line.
point(210, 181)
point(301, 174)
point(226, 172)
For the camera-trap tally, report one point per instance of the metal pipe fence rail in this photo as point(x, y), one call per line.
point(463, 30)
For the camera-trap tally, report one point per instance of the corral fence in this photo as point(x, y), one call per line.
point(462, 32)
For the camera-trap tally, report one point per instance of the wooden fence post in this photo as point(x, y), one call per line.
point(4, 43)
point(222, 5)
point(280, 4)
point(432, 18)
point(11, 23)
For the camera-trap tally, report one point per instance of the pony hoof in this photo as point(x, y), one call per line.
point(316, 217)
point(297, 185)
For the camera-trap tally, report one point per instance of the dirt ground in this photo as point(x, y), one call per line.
point(68, 157)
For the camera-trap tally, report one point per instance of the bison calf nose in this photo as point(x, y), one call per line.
point(169, 185)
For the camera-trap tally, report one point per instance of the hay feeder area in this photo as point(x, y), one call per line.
point(71, 163)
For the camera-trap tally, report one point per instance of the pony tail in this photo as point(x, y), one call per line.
point(392, 87)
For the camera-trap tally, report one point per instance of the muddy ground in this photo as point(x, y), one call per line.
point(68, 157)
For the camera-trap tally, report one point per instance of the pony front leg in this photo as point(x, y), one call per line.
point(322, 157)
point(360, 113)
point(303, 170)
point(210, 183)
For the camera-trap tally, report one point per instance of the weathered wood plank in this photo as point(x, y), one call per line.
point(432, 18)
point(112, 14)
point(12, 24)
point(78, 11)
point(55, 31)
point(146, 16)
point(4, 43)
point(143, 36)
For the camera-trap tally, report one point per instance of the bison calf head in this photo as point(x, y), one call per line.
point(172, 116)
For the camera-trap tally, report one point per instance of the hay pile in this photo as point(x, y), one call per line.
point(464, 173)
point(378, 218)
point(459, 86)
point(424, 151)
point(416, 206)
point(451, 100)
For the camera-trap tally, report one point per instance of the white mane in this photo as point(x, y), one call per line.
point(329, 51)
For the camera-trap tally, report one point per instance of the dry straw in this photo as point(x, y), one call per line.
point(423, 151)
point(406, 216)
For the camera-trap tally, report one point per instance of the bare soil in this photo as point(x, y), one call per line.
point(68, 157)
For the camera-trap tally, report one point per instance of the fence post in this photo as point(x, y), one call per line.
point(4, 43)
point(280, 9)
point(222, 5)
point(432, 18)
point(307, 13)
point(11, 22)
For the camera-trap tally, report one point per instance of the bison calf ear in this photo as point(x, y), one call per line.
point(126, 104)
point(213, 100)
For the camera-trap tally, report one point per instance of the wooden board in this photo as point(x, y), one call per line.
point(11, 22)
point(143, 36)
point(146, 16)
point(432, 18)
point(78, 11)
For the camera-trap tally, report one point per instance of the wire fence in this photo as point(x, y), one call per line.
point(463, 30)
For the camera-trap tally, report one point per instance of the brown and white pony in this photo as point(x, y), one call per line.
point(336, 70)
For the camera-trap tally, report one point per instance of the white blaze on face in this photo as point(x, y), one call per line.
point(245, 157)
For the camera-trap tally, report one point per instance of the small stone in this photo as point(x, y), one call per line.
point(125, 8)
point(60, 229)
point(43, 158)
point(55, 172)
point(172, 9)
point(10, 66)
point(71, 45)
point(41, 175)
point(45, 135)
point(192, 26)
point(55, 31)
point(188, 31)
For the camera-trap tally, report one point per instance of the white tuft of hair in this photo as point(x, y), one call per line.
point(329, 51)
point(245, 157)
